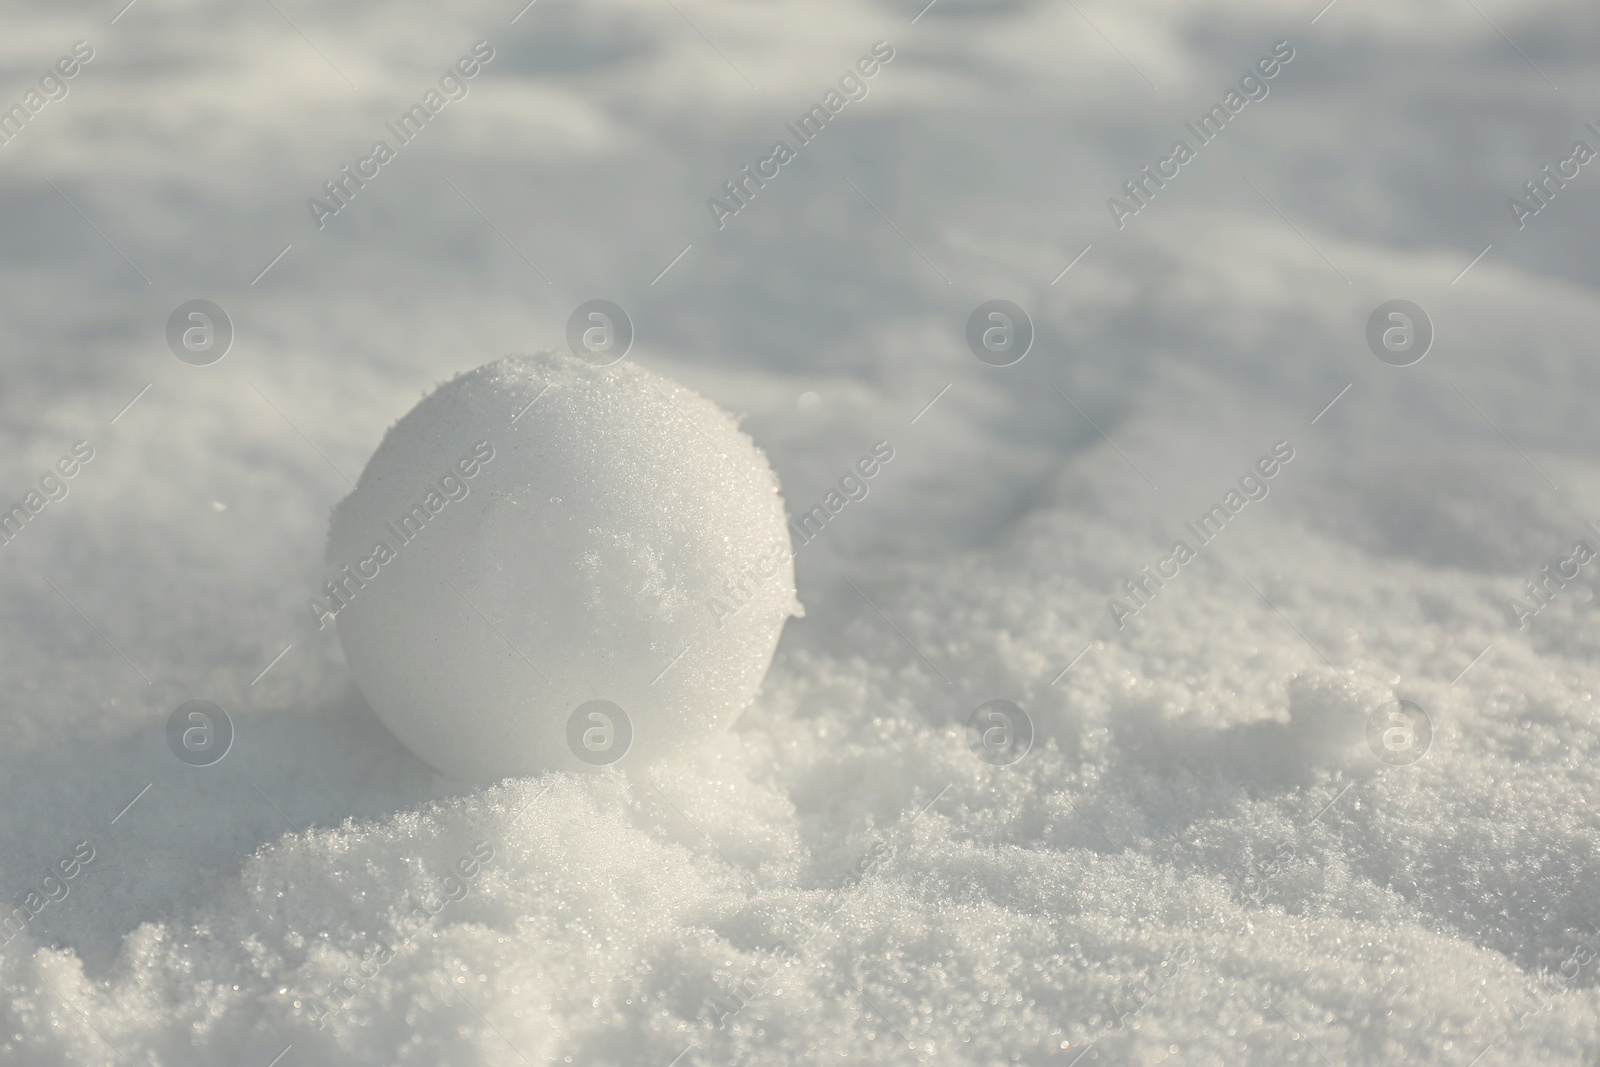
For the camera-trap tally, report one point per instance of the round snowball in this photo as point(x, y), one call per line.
point(551, 565)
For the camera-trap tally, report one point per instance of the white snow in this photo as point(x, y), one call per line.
point(550, 565)
point(1200, 861)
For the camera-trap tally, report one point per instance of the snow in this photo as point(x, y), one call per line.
point(599, 573)
point(1200, 859)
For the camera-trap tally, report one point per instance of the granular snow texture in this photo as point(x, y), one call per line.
point(1200, 861)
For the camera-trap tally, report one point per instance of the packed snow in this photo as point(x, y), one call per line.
point(612, 591)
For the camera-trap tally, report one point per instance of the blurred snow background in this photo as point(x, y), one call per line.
point(1200, 861)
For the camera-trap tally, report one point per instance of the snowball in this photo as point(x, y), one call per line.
point(552, 565)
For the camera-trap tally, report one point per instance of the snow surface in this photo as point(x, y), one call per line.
point(1200, 861)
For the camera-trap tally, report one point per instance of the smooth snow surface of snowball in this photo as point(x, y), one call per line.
point(551, 565)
